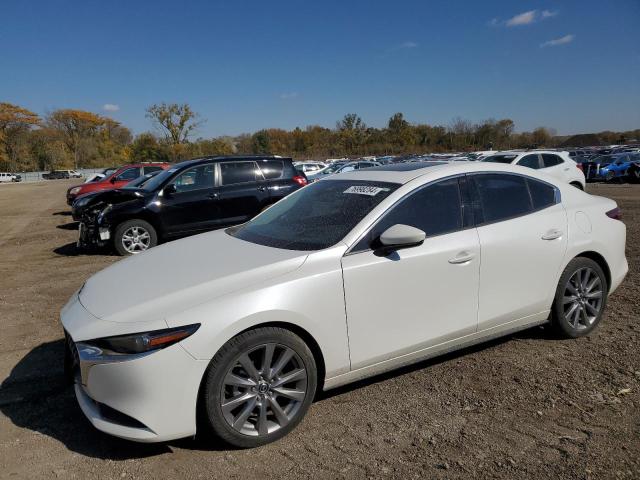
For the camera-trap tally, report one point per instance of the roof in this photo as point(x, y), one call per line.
point(432, 170)
point(228, 158)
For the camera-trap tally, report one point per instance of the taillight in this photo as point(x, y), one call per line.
point(300, 180)
point(616, 214)
point(579, 165)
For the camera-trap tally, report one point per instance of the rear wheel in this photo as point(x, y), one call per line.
point(134, 236)
point(259, 386)
point(580, 298)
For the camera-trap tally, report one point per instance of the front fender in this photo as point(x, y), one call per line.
point(310, 298)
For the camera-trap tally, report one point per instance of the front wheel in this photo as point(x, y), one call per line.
point(259, 386)
point(580, 298)
point(134, 236)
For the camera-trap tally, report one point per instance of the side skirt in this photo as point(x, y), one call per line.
point(437, 350)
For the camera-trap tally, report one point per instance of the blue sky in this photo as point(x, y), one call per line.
point(245, 65)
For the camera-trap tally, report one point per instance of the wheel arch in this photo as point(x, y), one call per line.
point(296, 329)
point(577, 184)
point(600, 260)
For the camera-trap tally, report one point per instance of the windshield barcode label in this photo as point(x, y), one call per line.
point(365, 190)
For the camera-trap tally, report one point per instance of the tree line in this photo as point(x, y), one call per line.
point(68, 138)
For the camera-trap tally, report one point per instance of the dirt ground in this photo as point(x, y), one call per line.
point(527, 406)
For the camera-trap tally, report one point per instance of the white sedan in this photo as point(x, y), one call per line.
point(413, 260)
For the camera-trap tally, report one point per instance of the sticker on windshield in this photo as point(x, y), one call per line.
point(365, 190)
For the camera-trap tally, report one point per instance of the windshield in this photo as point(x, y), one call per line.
point(317, 216)
point(158, 180)
point(499, 158)
point(333, 168)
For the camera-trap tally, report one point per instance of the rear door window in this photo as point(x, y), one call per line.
point(501, 196)
point(550, 160)
point(543, 195)
point(271, 169)
point(530, 161)
point(239, 172)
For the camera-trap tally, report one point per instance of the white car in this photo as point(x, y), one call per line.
point(6, 177)
point(551, 162)
point(412, 261)
point(310, 167)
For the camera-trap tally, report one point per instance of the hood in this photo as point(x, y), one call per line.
point(118, 195)
point(175, 276)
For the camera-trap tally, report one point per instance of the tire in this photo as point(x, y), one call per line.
point(145, 238)
point(578, 317)
point(609, 176)
point(240, 424)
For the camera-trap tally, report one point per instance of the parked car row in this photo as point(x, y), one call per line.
point(613, 167)
point(137, 206)
point(61, 175)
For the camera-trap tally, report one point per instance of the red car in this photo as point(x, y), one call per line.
point(117, 179)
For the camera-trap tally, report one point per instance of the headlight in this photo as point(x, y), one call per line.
point(142, 342)
point(75, 190)
point(104, 212)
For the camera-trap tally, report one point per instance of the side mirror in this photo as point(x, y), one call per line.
point(170, 189)
point(113, 180)
point(400, 236)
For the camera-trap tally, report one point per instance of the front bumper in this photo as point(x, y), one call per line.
point(150, 397)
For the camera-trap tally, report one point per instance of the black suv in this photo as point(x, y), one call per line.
point(191, 197)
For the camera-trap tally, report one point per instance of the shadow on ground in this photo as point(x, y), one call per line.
point(35, 396)
point(68, 226)
point(72, 250)
point(64, 213)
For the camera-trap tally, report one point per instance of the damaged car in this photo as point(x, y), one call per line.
point(191, 197)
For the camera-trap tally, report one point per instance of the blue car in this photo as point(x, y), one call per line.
point(621, 165)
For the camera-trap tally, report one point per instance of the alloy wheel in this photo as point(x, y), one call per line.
point(264, 389)
point(136, 239)
point(582, 299)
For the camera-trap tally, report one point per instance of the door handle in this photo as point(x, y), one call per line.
point(213, 196)
point(462, 257)
point(552, 234)
point(262, 189)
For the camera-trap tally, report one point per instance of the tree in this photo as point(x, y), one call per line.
point(177, 121)
point(75, 126)
point(15, 121)
point(261, 142)
point(146, 148)
point(351, 132)
point(541, 137)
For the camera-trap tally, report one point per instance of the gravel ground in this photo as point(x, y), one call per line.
point(526, 406)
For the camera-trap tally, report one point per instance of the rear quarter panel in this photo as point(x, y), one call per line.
point(591, 230)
